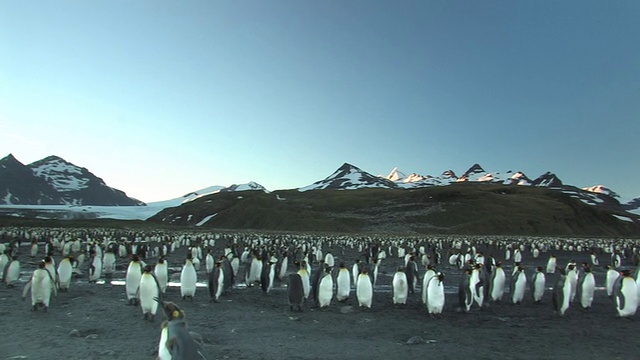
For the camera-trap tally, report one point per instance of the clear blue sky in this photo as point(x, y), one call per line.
point(164, 97)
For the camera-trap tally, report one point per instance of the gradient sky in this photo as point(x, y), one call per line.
point(160, 98)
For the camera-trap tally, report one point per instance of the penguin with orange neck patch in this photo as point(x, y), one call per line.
point(176, 341)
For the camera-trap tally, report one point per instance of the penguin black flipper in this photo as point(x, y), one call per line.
point(27, 287)
point(157, 286)
point(55, 285)
point(617, 292)
point(4, 271)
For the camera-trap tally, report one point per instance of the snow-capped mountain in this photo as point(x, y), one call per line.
point(54, 181)
point(602, 190)
point(349, 177)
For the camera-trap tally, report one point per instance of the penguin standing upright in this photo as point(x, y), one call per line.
point(295, 292)
point(306, 282)
point(161, 271)
point(268, 275)
point(476, 285)
point(283, 263)
point(149, 291)
point(465, 297)
point(537, 285)
point(518, 285)
point(108, 263)
point(425, 281)
point(132, 280)
point(41, 287)
point(625, 292)
point(11, 272)
point(572, 274)
point(209, 262)
point(587, 287)
point(315, 281)
point(95, 267)
point(610, 279)
point(325, 288)
point(176, 341)
point(411, 272)
point(435, 294)
point(552, 264)
point(65, 271)
point(188, 279)
point(343, 283)
point(562, 294)
point(216, 282)
point(364, 290)
point(400, 287)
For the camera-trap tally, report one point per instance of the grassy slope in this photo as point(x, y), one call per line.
point(455, 209)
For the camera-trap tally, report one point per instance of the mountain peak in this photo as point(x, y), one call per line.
point(10, 160)
point(349, 177)
point(600, 189)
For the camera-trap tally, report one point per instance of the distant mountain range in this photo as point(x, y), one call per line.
point(54, 181)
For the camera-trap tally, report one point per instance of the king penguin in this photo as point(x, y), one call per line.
point(610, 279)
point(625, 292)
point(325, 288)
point(161, 271)
point(400, 287)
point(176, 341)
point(552, 264)
point(95, 267)
point(562, 294)
point(295, 291)
point(149, 291)
point(343, 283)
point(498, 279)
point(425, 281)
point(435, 294)
point(132, 280)
point(40, 285)
point(518, 286)
point(11, 272)
point(306, 282)
point(188, 279)
point(364, 289)
point(465, 297)
point(587, 287)
point(65, 271)
point(537, 285)
point(216, 282)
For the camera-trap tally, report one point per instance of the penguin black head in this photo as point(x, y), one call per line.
point(147, 269)
point(625, 272)
point(48, 259)
point(171, 310)
point(342, 265)
point(161, 260)
point(539, 268)
point(440, 276)
point(41, 265)
point(135, 257)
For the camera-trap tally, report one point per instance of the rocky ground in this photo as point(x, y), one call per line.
point(93, 321)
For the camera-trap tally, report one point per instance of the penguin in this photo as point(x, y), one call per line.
point(552, 264)
point(594, 259)
point(11, 273)
point(325, 288)
point(587, 287)
point(188, 279)
point(537, 285)
point(562, 294)
point(216, 282)
point(50, 266)
point(329, 259)
point(355, 271)
point(411, 272)
point(425, 281)
point(4, 260)
point(518, 285)
point(625, 292)
point(149, 290)
point(65, 271)
point(343, 283)
point(364, 290)
point(34, 248)
point(282, 265)
point(95, 268)
point(209, 262)
point(108, 263)
point(132, 280)
point(306, 282)
point(465, 297)
point(268, 275)
point(315, 281)
point(572, 274)
point(228, 273)
point(295, 291)
point(476, 285)
point(400, 287)
point(178, 343)
point(435, 294)
point(610, 279)
point(41, 287)
point(161, 271)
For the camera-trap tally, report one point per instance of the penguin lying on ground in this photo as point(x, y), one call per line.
point(176, 342)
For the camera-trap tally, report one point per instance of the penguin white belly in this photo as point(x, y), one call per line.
point(162, 275)
point(364, 290)
point(208, 262)
point(551, 265)
point(220, 287)
point(306, 282)
point(96, 269)
point(611, 278)
point(41, 288)
point(435, 296)
point(425, 282)
point(497, 288)
point(587, 290)
point(400, 288)
point(132, 280)
point(344, 285)
point(148, 292)
point(325, 291)
point(109, 263)
point(163, 351)
point(65, 271)
point(538, 286)
point(566, 296)
point(627, 299)
point(13, 272)
point(517, 294)
point(188, 279)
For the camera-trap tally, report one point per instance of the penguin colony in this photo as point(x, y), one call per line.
point(316, 275)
